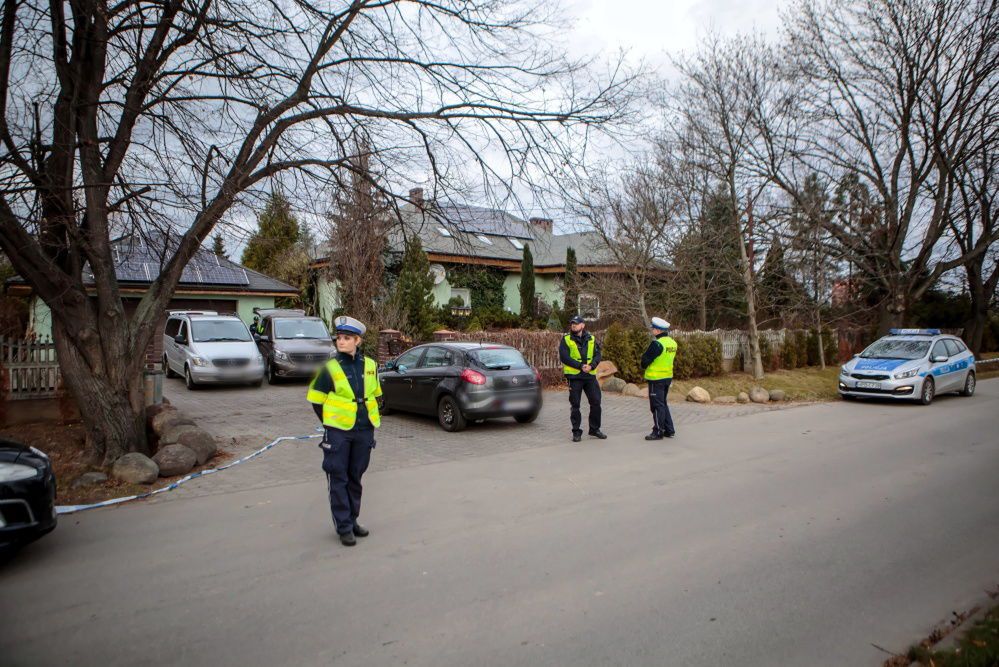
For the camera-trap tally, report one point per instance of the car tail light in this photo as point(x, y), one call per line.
point(473, 377)
point(537, 374)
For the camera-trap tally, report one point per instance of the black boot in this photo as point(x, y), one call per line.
point(654, 436)
point(598, 434)
point(361, 531)
point(347, 539)
point(576, 437)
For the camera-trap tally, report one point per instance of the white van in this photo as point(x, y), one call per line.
point(207, 348)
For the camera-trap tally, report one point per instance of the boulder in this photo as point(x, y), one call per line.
point(175, 460)
point(605, 369)
point(743, 397)
point(698, 395)
point(759, 395)
point(89, 479)
point(631, 390)
point(135, 468)
point(778, 395)
point(167, 418)
point(725, 399)
point(199, 442)
point(171, 436)
point(614, 384)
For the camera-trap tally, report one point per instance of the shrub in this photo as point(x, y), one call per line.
point(618, 347)
point(697, 355)
point(771, 361)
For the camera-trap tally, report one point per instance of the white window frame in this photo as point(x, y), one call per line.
point(516, 243)
point(465, 293)
point(579, 305)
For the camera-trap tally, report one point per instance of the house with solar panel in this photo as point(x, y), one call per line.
point(459, 237)
point(209, 282)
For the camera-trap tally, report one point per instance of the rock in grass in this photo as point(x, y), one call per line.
point(175, 460)
point(725, 399)
point(631, 390)
point(778, 395)
point(698, 395)
point(172, 435)
point(614, 384)
point(759, 395)
point(135, 468)
point(743, 397)
point(89, 479)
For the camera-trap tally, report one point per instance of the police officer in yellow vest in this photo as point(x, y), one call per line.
point(579, 352)
point(657, 363)
point(344, 395)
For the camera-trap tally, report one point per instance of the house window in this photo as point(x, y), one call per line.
point(463, 293)
point(589, 307)
point(484, 239)
point(444, 231)
point(517, 244)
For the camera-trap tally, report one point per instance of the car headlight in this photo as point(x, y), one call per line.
point(14, 472)
point(199, 361)
point(906, 374)
point(282, 356)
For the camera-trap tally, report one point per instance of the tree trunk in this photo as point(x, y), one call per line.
point(747, 280)
point(822, 344)
point(974, 329)
point(113, 412)
point(703, 299)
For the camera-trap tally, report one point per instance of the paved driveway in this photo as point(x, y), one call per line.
point(247, 418)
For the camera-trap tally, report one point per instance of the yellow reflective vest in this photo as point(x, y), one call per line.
point(662, 366)
point(575, 354)
point(340, 405)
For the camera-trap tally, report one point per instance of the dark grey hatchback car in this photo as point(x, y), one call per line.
point(462, 382)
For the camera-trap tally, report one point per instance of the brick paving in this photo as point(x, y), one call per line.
point(244, 419)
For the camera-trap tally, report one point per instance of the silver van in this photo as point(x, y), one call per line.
point(293, 344)
point(207, 348)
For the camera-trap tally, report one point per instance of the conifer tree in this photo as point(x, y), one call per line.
point(527, 284)
point(277, 233)
point(414, 290)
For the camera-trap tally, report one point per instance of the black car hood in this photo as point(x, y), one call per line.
point(15, 452)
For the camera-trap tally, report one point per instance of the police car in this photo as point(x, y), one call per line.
point(910, 364)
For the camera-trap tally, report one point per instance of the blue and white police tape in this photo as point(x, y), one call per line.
point(70, 509)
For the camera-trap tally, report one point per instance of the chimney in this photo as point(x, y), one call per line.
point(416, 196)
point(542, 223)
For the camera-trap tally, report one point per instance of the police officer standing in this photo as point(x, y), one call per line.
point(344, 395)
point(657, 362)
point(580, 354)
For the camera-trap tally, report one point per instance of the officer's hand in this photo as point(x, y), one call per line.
point(586, 368)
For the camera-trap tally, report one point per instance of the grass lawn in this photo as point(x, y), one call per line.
point(979, 647)
point(801, 384)
point(990, 371)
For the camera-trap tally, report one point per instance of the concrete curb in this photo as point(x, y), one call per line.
point(978, 611)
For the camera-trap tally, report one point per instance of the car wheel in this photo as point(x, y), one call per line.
point(928, 392)
point(526, 419)
point(167, 371)
point(188, 380)
point(449, 415)
point(969, 385)
point(271, 377)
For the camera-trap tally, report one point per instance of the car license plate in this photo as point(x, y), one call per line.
point(868, 385)
point(519, 405)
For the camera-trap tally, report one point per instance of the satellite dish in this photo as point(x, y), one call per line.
point(438, 272)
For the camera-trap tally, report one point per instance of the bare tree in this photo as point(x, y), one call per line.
point(892, 92)
point(136, 116)
point(716, 102)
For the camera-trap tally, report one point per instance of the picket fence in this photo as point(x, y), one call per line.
point(29, 369)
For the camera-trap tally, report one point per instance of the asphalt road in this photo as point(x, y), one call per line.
point(791, 537)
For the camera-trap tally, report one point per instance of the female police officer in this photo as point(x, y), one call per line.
point(344, 395)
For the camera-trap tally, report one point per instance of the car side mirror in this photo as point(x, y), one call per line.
point(938, 359)
point(180, 340)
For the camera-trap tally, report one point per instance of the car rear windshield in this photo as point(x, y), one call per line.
point(219, 331)
point(897, 349)
point(300, 329)
point(498, 358)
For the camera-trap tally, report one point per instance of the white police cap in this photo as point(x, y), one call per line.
point(349, 325)
point(660, 323)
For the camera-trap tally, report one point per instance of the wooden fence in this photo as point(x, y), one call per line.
point(28, 369)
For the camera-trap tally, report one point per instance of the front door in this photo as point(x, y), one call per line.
point(397, 383)
point(437, 364)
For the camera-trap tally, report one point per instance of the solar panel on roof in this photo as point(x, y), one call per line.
point(136, 261)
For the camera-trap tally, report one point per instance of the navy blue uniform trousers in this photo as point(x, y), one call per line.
point(591, 388)
point(662, 421)
point(346, 455)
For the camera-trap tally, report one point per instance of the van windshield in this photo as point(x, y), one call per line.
point(300, 329)
point(219, 331)
point(887, 348)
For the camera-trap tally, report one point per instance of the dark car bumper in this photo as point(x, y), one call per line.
point(28, 508)
point(493, 405)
